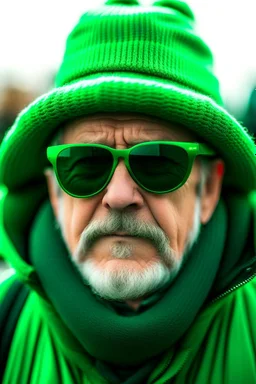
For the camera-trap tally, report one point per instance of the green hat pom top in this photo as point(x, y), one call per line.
point(122, 2)
point(177, 5)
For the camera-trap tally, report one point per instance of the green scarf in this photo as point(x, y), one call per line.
point(107, 335)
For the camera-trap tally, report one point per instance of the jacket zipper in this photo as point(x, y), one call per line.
point(233, 288)
point(212, 301)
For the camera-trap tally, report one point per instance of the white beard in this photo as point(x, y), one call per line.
point(128, 284)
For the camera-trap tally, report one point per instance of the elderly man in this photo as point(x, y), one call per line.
point(128, 214)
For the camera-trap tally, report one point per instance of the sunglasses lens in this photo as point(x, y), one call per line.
point(159, 167)
point(83, 171)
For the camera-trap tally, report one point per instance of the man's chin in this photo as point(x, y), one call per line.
point(116, 267)
point(123, 283)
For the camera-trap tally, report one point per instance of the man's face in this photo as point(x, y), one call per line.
point(100, 231)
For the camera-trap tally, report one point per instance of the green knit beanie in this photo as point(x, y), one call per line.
point(124, 57)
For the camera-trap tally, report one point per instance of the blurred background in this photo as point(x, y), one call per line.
point(32, 41)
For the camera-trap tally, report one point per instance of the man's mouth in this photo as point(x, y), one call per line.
point(121, 234)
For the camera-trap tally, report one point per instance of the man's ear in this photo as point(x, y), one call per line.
point(53, 191)
point(212, 190)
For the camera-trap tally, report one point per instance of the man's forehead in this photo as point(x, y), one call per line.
point(145, 124)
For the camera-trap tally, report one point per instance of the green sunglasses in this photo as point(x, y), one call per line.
point(84, 170)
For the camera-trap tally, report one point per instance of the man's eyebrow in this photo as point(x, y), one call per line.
point(134, 142)
point(131, 143)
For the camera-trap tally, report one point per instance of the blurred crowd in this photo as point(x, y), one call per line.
point(12, 101)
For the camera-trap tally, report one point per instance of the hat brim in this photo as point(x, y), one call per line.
point(23, 153)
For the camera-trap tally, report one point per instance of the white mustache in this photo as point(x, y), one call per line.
point(124, 223)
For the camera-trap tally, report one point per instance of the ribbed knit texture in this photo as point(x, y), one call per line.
point(157, 41)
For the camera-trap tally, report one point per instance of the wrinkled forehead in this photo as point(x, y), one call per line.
point(135, 127)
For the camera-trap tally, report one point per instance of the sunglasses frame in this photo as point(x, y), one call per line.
point(192, 149)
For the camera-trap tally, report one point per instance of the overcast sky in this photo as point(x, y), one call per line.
point(32, 38)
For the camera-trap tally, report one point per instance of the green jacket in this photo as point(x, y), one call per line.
point(219, 346)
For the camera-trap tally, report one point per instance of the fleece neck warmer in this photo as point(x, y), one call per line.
point(107, 335)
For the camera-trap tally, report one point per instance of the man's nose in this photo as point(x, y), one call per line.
point(122, 191)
